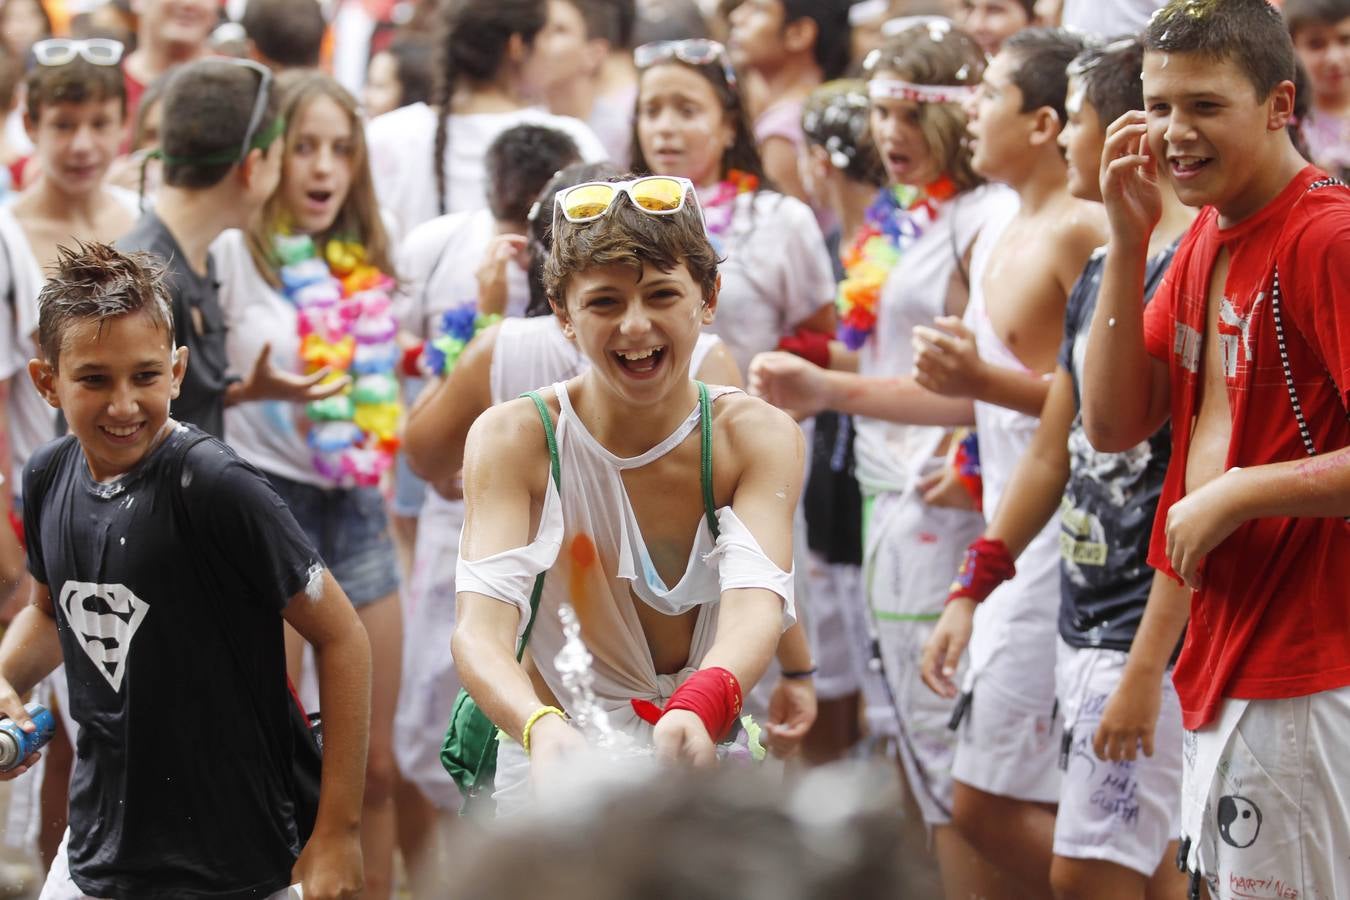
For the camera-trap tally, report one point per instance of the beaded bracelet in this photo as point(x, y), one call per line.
point(535, 717)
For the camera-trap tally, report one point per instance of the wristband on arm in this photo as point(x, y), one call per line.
point(411, 362)
point(714, 695)
point(812, 346)
point(987, 565)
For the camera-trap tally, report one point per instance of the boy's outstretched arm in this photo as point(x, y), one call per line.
point(1031, 498)
point(330, 865)
point(1131, 715)
point(29, 652)
point(1125, 390)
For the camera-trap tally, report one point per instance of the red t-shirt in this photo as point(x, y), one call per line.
point(1272, 617)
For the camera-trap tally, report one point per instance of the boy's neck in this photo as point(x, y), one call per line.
point(576, 98)
point(196, 218)
point(630, 430)
point(1176, 218)
point(796, 77)
point(1044, 181)
point(617, 74)
point(1271, 179)
point(46, 200)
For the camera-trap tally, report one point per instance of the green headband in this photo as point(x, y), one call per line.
point(262, 141)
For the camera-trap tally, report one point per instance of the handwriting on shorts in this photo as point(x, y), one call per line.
point(1269, 888)
point(1118, 794)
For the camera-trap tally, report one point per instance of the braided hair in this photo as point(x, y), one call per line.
point(474, 39)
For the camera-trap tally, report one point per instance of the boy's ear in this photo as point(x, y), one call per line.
point(1046, 127)
point(560, 310)
point(29, 126)
point(44, 379)
point(516, 49)
point(595, 54)
point(180, 361)
point(1280, 106)
point(710, 302)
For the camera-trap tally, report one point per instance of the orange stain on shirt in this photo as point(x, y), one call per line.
point(582, 556)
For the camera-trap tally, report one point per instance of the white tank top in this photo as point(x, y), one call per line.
point(890, 455)
point(531, 353)
point(596, 559)
point(1021, 616)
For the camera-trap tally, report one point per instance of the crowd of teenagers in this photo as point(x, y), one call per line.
point(410, 404)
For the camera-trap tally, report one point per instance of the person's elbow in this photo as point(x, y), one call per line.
point(1109, 431)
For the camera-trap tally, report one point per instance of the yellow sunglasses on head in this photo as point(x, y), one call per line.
point(659, 195)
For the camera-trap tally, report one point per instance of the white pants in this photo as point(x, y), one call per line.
point(1276, 798)
point(430, 683)
point(912, 552)
point(1122, 812)
point(59, 885)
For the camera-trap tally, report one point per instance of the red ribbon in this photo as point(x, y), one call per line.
point(987, 565)
point(714, 695)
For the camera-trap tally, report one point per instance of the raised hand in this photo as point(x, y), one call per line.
point(946, 360)
point(1129, 180)
point(789, 382)
point(492, 271)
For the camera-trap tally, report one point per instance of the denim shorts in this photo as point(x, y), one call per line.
point(350, 529)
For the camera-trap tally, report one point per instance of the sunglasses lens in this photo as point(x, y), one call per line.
point(658, 194)
point(53, 52)
point(102, 52)
point(587, 201)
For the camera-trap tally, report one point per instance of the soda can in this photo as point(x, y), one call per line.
point(16, 745)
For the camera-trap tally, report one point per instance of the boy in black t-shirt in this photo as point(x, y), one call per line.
point(222, 161)
point(163, 567)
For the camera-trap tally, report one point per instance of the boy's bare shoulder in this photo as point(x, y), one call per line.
point(1082, 224)
point(508, 434)
point(754, 427)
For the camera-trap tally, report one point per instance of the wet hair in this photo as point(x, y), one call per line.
point(1304, 13)
point(95, 282)
point(206, 109)
point(519, 163)
point(359, 217)
point(834, 39)
point(541, 222)
point(1109, 76)
point(835, 117)
point(473, 44)
point(414, 67)
point(1250, 33)
point(928, 54)
point(78, 81)
point(627, 236)
point(669, 20)
point(830, 834)
point(1042, 57)
point(743, 154)
point(286, 32)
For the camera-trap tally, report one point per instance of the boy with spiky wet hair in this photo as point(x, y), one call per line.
point(1247, 347)
point(163, 567)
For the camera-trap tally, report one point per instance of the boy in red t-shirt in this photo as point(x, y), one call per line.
point(1247, 347)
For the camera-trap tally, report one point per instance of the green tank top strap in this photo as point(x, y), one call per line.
point(556, 467)
point(706, 458)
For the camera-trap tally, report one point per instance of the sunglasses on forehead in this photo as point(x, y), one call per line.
point(95, 51)
point(694, 51)
point(657, 195)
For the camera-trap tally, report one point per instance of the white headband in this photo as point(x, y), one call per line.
point(895, 89)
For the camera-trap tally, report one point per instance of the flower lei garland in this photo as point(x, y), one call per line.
point(345, 322)
point(456, 328)
point(719, 209)
point(894, 221)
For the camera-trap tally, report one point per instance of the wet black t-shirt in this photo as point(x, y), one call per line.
point(198, 324)
point(1106, 516)
point(168, 586)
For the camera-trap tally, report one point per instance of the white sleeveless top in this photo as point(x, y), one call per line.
point(1021, 615)
point(534, 352)
point(889, 455)
point(596, 558)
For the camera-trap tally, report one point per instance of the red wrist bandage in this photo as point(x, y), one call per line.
point(714, 695)
point(411, 363)
point(987, 565)
point(811, 346)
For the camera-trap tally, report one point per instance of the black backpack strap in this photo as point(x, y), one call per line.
point(706, 459)
point(552, 439)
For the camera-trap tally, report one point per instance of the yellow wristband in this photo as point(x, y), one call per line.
point(535, 717)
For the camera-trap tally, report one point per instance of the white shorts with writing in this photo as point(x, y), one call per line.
point(1269, 784)
point(1121, 812)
